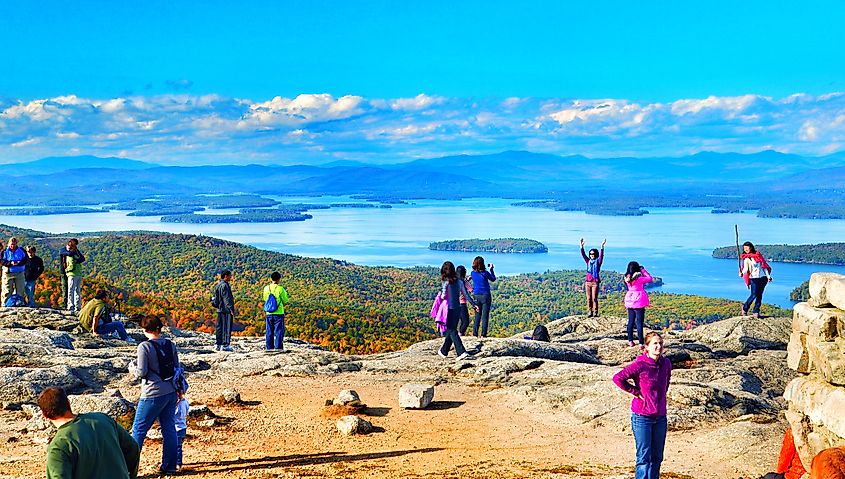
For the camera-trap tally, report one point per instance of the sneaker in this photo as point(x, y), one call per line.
point(217, 348)
point(463, 356)
point(755, 315)
point(744, 311)
point(440, 353)
point(227, 349)
point(131, 341)
point(630, 344)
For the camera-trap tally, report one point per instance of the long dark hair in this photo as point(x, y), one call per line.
point(462, 272)
point(751, 248)
point(633, 268)
point(478, 264)
point(594, 251)
point(447, 272)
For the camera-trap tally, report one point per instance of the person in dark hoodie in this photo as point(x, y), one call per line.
point(224, 301)
point(34, 269)
point(71, 250)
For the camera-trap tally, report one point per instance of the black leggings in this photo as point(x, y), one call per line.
point(636, 315)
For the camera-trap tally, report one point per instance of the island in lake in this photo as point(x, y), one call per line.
point(498, 245)
point(824, 253)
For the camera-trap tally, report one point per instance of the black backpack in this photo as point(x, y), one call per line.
point(541, 334)
point(166, 360)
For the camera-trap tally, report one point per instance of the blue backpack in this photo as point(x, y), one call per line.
point(15, 301)
point(271, 305)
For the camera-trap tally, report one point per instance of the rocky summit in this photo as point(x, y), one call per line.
point(728, 379)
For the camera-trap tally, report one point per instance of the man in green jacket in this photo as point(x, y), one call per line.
point(86, 446)
point(275, 333)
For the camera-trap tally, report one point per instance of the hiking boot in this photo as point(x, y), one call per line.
point(217, 348)
point(463, 356)
point(440, 353)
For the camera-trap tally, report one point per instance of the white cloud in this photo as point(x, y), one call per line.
point(184, 127)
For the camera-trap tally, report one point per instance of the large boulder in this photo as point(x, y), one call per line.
point(740, 335)
point(827, 289)
point(19, 385)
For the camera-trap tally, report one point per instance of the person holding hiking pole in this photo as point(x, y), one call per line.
point(757, 274)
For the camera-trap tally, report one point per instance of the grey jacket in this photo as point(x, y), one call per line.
point(223, 292)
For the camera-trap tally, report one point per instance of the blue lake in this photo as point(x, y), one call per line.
point(674, 243)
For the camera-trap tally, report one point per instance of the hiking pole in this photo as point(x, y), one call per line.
point(738, 252)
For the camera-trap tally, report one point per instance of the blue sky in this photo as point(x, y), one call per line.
point(515, 65)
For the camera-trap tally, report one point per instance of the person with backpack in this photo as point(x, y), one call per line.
point(14, 261)
point(95, 317)
point(224, 302)
point(757, 274)
point(593, 277)
point(157, 365)
point(34, 269)
point(275, 298)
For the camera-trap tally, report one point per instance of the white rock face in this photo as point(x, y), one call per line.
point(415, 396)
point(352, 425)
point(816, 350)
point(347, 396)
point(827, 289)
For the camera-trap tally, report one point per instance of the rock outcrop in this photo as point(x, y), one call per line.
point(816, 351)
point(726, 372)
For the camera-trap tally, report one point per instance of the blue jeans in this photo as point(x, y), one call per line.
point(180, 438)
point(162, 408)
point(29, 287)
point(650, 437)
point(109, 328)
point(757, 287)
point(485, 302)
point(274, 336)
point(636, 316)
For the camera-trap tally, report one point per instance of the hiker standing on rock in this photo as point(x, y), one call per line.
point(481, 279)
point(636, 300)
point(463, 324)
point(593, 278)
point(155, 366)
point(222, 299)
point(757, 274)
point(34, 269)
point(451, 292)
point(647, 379)
point(275, 298)
point(14, 262)
point(70, 272)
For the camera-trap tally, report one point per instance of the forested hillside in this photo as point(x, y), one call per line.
point(341, 306)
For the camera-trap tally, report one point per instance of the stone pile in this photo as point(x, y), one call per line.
point(816, 350)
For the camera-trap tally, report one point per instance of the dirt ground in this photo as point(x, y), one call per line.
point(468, 432)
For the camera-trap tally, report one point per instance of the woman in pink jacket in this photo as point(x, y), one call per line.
point(636, 300)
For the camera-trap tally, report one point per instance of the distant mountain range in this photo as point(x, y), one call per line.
point(510, 173)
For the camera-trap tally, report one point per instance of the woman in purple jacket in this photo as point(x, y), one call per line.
point(636, 300)
point(650, 373)
point(593, 278)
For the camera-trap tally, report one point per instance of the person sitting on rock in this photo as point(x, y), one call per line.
point(95, 318)
point(829, 464)
point(789, 464)
point(91, 445)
